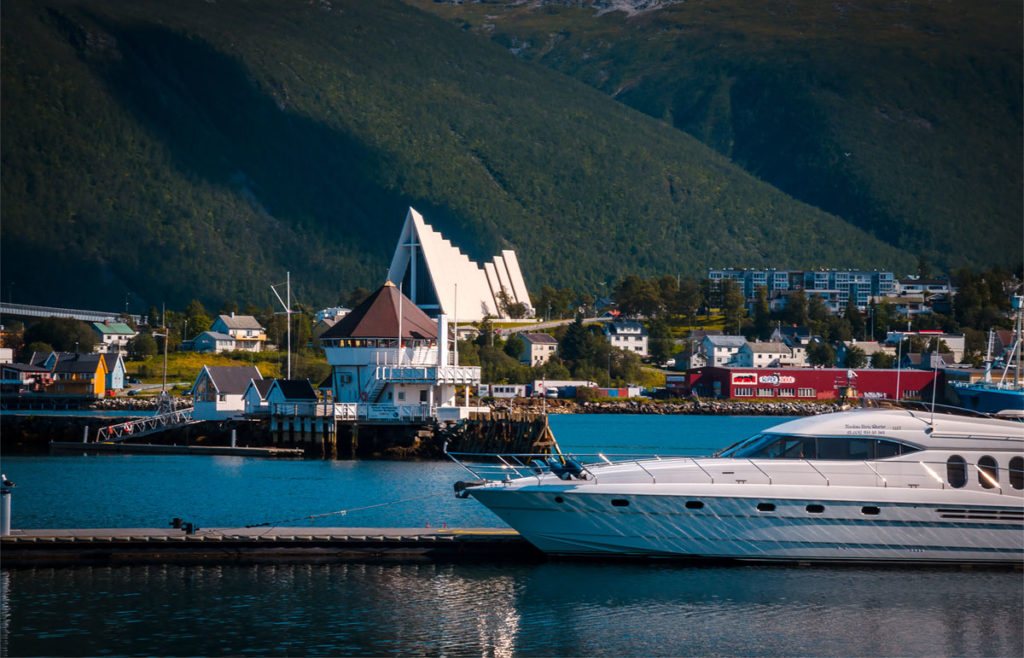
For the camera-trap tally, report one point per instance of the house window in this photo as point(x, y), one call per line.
point(401, 395)
point(764, 393)
point(786, 392)
point(805, 392)
point(743, 392)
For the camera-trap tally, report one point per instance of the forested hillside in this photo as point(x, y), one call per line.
point(170, 151)
point(903, 117)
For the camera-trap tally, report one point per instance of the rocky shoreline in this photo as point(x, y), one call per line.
point(666, 408)
point(137, 404)
point(558, 406)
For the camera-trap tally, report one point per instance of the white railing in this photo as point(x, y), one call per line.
point(307, 409)
point(383, 413)
point(428, 374)
point(801, 472)
point(131, 428)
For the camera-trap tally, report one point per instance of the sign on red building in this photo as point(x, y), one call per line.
point(805, 383)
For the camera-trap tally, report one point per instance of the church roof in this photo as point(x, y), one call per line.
point(377, 317)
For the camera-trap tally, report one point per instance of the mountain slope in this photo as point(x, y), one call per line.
point(194, 149)
point(902, 117)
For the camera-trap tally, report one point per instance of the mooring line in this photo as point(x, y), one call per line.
point(272, 524)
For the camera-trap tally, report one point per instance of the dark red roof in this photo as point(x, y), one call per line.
point(377, 317)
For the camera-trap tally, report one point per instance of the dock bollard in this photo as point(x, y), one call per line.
point(233, 437)
point(5, 512)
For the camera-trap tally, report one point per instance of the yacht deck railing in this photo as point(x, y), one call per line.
point(592, 468)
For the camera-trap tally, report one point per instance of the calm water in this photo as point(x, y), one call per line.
point(555, 608)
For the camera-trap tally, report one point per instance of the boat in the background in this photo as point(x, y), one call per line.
point(1004, 396)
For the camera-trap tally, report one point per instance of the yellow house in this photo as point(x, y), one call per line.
point(77, 374)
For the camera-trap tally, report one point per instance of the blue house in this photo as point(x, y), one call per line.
point(115, 371)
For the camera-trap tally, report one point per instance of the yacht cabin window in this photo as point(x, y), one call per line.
point(1017, 472)
point(778, 446)
point(988, 472)
point(956, 471)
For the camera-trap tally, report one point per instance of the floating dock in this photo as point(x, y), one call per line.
point(30, 548)
point(158, 449)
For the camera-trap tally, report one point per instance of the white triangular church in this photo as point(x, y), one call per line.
point(431, 269)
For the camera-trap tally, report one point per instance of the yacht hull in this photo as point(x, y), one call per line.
point(776, 528)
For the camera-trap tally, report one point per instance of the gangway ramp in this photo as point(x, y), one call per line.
point(132, 429)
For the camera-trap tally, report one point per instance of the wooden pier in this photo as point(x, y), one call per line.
point(30, 548)
point(161, 449)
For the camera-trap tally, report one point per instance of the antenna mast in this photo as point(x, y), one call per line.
point(288, 313)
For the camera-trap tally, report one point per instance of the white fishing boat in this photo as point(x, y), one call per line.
point(870, 485)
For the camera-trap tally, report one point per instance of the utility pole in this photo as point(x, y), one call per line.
point(288, 315)
point(164, 335)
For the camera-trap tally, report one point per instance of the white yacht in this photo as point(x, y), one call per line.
point(870, 485)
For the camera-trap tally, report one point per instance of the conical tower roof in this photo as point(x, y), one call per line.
point(377, 317)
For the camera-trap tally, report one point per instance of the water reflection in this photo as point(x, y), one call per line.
point(532, 609)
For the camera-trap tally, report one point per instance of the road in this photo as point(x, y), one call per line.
point(550, 324)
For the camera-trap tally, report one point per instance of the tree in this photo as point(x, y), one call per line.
point(855, 318)
point(821, 354)
point(64, 334)
point(635, 296)
point(514, 346)
point(356, 296)
point(795, 312)
point(884, 318)
point(762, 314)
point(509, 308)
point(37, 347)
point(572, 347)
point(486, 336)
point(141, 347)
point(882, 360)
point(924, 269)
point(855, 357)
point(197, 316)
point(732, 304)
point(668, 289)
point(688, 300)
point(660, 341)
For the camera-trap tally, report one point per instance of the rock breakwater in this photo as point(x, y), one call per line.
point(682, 407)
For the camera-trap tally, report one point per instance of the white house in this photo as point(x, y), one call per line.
point(720, 350)
point(332, 313)
point(254, 400)
point(246, 331)
point(955, 342)
point(292, 397)
point(218, 391)
point(390, 360)
point(213, 341)
point(540, 347)
point(113, 336)
point(763, 355)
point(630, 336)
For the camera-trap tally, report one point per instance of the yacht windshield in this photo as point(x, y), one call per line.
point(779, 446)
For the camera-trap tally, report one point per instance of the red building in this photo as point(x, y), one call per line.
point(804, 383)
